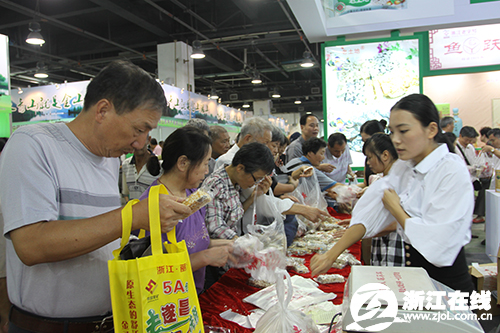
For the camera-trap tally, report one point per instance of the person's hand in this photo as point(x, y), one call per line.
point(320, 264)
point(171, 211)
point(301, 172)
point(219, 255)
point(487, 149)
point(391, 200)
point(264, 185)
point(331, 193)
point(291, 197)
point(339, 234)
point(221, 242)
point(279, 162)
point(326, 167)
point(313, 214)
point(345, 208)
point(344, 222)
point(294, 182)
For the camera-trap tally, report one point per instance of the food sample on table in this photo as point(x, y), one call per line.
point(329, 278)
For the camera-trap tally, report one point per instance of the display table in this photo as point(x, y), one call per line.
point(233, 287)
point(492, 224)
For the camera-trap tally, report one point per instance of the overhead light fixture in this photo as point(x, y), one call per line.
point(298, 101)
point(256, 78)
point(276, 94)
point(307, 61)
point(41, 71)
point(35, 37)
point(246, 105)
point(322, 120)
point(19, 90)
point(308, 112)
point(197, 50)
point(213, 94)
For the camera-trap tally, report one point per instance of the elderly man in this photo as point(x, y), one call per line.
point(63, 220)
point(309, 126)
point(136, 178)
point(447, 124)
point(338, 155)
point(220, 144)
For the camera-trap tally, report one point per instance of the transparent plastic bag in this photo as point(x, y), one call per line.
point(198, 199)
point(484, 166)
point(257, 260)
point(279, 318)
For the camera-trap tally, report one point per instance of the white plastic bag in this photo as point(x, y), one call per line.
point(347, 194)
point(257, 260)
point(484, 166)
point(280, 319)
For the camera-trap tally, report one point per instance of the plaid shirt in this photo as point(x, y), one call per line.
point(388, 250)
point(225, 211)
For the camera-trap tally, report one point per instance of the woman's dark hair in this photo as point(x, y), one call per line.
point(371, 127)
point(254, 156)
point(378, 143)
point(277, 135)
point(451, 137)
point(154, 141)
point(187, 140)
point(312, 145)
point(424, 110)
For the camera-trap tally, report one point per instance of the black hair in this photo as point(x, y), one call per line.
point(469, 132)
point(254, 156)
point(312, 145)
point(336, 138)
point(371, 127)
point(303, 119)
point(187, 140)
point(383, 123)
point(424, 110)
point(3, 141)
point(277, 135)
point(127, 87)
point(154, 141)
point(451, 137)
point(484, 131)
point(378, 143)
point(495, 132)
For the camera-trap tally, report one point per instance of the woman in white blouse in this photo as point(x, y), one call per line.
point(431, 197)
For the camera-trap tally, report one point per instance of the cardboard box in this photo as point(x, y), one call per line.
point(488, 282)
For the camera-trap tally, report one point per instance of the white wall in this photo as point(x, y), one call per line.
point(472, 94)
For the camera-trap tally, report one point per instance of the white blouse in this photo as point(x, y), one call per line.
point(438, 196)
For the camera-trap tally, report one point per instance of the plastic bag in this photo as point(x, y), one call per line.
point(257, 260)
point(346, 194)
point(308, 192)
point(484, 166)
point(279, 318)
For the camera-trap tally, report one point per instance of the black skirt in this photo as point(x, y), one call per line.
point(456, 276)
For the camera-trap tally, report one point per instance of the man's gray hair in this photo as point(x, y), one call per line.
point(216, 131)
point(255, 126)
point(199, 123)
point(446, 121)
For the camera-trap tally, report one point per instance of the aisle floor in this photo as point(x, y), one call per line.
point(474, 252)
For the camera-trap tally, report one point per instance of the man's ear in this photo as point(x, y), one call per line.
point(102, 109)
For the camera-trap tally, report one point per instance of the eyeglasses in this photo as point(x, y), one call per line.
point(256, 181)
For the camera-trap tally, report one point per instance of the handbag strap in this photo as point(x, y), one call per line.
point(463, 154)
point(126, 214)
point(154, 220)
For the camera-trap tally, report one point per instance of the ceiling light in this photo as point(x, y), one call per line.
point(246, 105)
point(298, 101)
point(308, 112)
point(275, 94)
point(256, 79)
point(35, 37)
point(322, 120)
point(197, 50)
point(213, 94)
point(307, 61)
point(41, 71)
point(19, 90)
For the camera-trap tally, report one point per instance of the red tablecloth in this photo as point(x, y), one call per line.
point(232, 288)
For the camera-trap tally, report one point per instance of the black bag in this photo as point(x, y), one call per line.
point(477, 185)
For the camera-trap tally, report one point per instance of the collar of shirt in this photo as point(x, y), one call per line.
point(304, 159)
point(432, 159)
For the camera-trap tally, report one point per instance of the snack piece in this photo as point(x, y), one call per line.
point(197, 200)
point(301, 268)
point(329, 278)
point(259, 283)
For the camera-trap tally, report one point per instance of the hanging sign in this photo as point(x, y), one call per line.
point(464, 47)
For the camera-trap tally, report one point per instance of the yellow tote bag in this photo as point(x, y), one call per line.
point(154, 294)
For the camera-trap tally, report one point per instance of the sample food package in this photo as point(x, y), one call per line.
point(484, 166)
point(257, 260)
point(279, 318)
point(329, 278)
point(198, 199)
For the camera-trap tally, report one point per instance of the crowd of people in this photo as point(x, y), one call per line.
point(62, 203)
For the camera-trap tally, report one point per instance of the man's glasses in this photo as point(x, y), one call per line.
point(256, 181)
